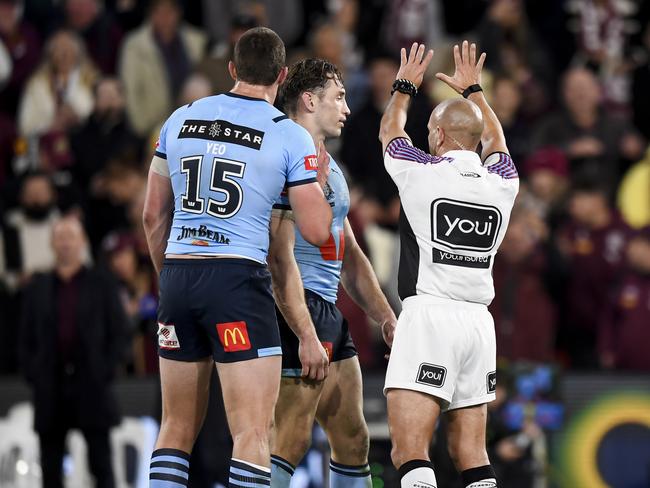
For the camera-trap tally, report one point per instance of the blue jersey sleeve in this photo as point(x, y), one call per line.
point(302, 161)
point(161, 145)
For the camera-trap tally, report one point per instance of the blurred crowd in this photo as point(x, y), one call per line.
point(86, 84)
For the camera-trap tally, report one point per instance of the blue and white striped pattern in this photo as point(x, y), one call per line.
point(401, 148)
point(282, 463)
point(169, 469)
point(344, 476)
point(504, 167)
point(243, 474)
point(281, 472)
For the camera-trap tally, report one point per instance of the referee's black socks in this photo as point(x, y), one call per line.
point(417, 473)
point(481, 477)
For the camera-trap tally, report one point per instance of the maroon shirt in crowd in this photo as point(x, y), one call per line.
point(596, 260)
point(524, 314)
point(625, 327)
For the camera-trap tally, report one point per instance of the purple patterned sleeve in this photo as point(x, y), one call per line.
point(401, 148)
point(504, 166)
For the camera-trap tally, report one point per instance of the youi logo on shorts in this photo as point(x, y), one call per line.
point(432, 375)
point(167, 338)
point(492, 382)
point(464, 225)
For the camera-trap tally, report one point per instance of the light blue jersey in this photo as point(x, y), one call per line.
point(229, 156)
point(320, 267)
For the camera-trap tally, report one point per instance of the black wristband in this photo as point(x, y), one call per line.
point(471, 89)
point(404, 86)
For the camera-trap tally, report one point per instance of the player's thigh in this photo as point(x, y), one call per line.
point(466, 436)
point(412, 417)
point(340, 409)
point(185, 388)
point(250, 392)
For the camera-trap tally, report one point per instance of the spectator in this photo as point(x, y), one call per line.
point(59, 94)
point(634, 194)
point(72, 332)
point(409, 21)
point(101, 34)
point(155, 61)
point(515, 51)
point(106, 134)
point(136, 291)
point(23, 44)
point(26, 228)
point(8, 136)
point(602, 30)
point(547, 175)
point(506, 102)
point(524, 314)
point(113, 191)
point(624, 334)
point(594, 141)
point(593, 241)
point(215, 64)
point(331, 42)
point(640, 82)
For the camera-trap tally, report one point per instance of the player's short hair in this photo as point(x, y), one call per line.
point(259, 56)
point(310, 74)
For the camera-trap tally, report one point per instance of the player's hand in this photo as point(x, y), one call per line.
point(388, 330)
point(323, 172)
point(468, 69)
point(412, 68)
point(314, 360)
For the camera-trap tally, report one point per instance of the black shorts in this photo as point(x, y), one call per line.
point(331, 328)
point(221, 307)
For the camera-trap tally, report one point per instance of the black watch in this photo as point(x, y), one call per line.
point(471, 89)
point(404, 86)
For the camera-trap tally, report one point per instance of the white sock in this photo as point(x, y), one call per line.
point(417, 474)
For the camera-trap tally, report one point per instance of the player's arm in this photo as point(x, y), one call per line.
point(157, 214)
point(411, 69)
point(311, 211)
point(290, 295)
point(468, 73)
point(360, 282)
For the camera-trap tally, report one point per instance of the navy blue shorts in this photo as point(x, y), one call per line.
point(221, 307)
point(331, 328)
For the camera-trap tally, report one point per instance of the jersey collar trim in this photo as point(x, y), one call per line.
point(237, 95)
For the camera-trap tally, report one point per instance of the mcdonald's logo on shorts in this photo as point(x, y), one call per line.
point(234, 336)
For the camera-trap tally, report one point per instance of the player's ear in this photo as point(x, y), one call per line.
point(441, 137)
point(308, 100)
point(282, 75)
point(232, 70)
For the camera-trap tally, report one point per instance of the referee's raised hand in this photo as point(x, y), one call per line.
point(412, 68)
point(468, 69)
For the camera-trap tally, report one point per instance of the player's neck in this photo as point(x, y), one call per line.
point(267, 93)
point(312, 127)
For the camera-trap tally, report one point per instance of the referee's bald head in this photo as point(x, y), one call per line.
point(455, 124)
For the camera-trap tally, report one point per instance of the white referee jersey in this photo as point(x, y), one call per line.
point(455, 212)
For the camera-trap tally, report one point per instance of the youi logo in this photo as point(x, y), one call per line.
point(463, 225)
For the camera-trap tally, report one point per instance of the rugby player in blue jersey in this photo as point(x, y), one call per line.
point(220, 164)
point(314, 96)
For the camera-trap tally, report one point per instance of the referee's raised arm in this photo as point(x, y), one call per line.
point(467, 82)
point(408, 80)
